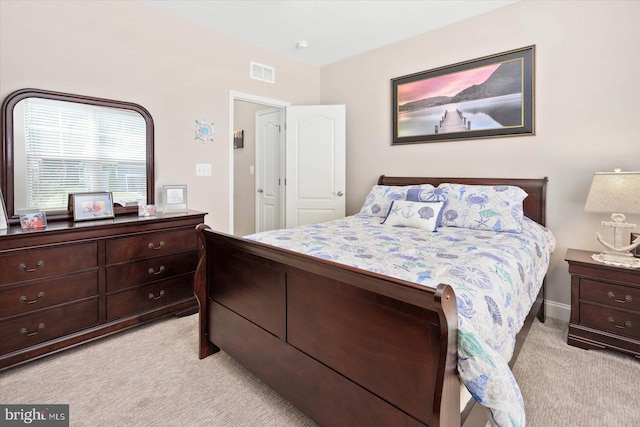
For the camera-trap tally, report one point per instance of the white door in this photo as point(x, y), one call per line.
point(269, 170)
point(315, 164)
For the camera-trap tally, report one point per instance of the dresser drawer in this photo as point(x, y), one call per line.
point(150, 245)
point(617, 296)
point(614, 321)
point(47, 324)
point(123, 276)
point(37, 263)
point(148, 297)
point(46, 293)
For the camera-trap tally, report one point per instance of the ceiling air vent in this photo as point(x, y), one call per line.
point(262, 72)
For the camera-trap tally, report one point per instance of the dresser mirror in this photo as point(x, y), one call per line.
point(55, 144)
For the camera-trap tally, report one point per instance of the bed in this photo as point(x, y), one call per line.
point(352, 345)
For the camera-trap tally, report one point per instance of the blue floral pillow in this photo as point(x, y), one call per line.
point(380, 197)
point(423, 215)
point(483, 207)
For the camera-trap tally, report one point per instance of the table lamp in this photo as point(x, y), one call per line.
point(617, 193)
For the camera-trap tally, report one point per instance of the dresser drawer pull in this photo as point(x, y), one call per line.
point(157, 248)
point(23, 298)
point(622, 301)
point(24, 268)
point(155, 273)
point(160, 295)
point(627, 324)
point(26, 333)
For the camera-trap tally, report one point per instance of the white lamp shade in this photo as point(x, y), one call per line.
point(614, 192)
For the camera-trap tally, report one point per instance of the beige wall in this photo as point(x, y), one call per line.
point(180, 72)
point(587, 94)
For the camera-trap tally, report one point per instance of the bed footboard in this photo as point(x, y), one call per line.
point(343, 345)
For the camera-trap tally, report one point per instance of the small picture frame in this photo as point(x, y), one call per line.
point(174, 198)
point(4, 223)
point(238, 139)
point(33, 221)
point(635, 251)
point(87, 206)
point(146, 210)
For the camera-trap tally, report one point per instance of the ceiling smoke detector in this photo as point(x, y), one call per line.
point(302, 44)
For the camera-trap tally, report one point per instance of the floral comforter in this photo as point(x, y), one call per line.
point(496, 277)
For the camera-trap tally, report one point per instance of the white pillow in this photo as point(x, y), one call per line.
point(423, 215)
point(380, 197)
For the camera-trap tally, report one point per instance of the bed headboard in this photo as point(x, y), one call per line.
point(534, 205)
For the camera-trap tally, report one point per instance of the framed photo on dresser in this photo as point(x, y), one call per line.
point(3, 214)
point(174, 198)
point(86, 206)
point(635, 251)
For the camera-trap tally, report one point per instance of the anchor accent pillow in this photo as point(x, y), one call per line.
point(381, 196)
point(423, 215)
point(483, 207)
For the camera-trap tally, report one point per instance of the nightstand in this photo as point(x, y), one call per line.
point(605, 304)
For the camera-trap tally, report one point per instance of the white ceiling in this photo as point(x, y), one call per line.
point(334, 29)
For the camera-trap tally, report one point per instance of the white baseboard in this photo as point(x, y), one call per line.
point(558, 310)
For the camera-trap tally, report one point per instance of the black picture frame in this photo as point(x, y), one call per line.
point(635, 251)
point(487, 97)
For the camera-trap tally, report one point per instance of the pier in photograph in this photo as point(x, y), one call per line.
point(453, 121)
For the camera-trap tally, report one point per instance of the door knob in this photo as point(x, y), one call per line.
point(260, 190)
point(340, 193)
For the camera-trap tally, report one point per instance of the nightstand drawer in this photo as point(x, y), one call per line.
point(616, 296)
point(123, 276)
point(47, 293)
point(34, 264)
point(614, 321)
point(47, 324)
point(150, 245)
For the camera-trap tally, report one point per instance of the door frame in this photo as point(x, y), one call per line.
point(240, 96)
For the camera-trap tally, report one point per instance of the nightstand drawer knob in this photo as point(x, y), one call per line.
point(622, 301)
point(627, 324)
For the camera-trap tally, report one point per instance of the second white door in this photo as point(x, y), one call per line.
point(315, 164)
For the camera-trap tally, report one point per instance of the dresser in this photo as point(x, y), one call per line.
point(605, 304)
point(71, 283)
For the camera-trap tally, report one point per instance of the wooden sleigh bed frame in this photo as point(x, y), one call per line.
point(343, 345)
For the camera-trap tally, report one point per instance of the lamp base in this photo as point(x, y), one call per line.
point(617, 259)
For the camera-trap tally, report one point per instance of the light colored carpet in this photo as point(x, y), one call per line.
point(568, 386)
point(152, 376)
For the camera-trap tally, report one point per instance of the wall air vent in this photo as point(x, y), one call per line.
point(262, 72)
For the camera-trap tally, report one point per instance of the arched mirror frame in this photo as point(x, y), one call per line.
point(7, 153)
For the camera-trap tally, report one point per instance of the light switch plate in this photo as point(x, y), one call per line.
point(203, 169)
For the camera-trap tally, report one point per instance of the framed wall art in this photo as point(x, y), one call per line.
point(238, 139)
point(174, 198)
point(486, 97)
point(86, 206)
